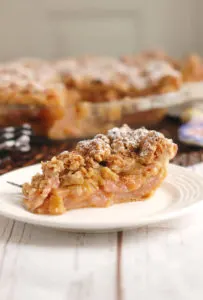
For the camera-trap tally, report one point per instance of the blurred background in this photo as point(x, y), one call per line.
point(52, 29)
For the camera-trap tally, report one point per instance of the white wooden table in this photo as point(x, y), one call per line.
point(163, 262)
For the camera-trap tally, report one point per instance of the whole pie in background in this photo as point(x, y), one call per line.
point(81, 96)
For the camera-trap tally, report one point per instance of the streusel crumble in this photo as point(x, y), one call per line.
point(99, 79)
point(30, 92)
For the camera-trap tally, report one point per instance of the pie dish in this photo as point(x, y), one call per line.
point(122, 166)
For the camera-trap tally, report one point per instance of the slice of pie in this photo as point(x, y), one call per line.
point(124, 165)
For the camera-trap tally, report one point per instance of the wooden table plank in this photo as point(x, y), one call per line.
point(163, 262)
point(40, 263)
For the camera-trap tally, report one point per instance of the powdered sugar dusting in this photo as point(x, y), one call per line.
point(121, 140)
point(127, 135)
point(98, 148)
point(125, 138)
point(30, 76)
point(114, 71)
point(156, 69)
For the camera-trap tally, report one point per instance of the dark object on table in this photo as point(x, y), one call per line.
point(15, 184)
point(15, 139)
point(191, 133)
point(39, 152)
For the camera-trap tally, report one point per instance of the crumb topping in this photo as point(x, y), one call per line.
point(31, 76)
point(126, 138)
point(122, 140)
point(118, 150)
point(114, 150)
point(114, 71)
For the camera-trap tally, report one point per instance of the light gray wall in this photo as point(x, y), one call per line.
point(55, 28)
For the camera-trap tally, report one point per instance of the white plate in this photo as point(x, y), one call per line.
point(180, 193)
